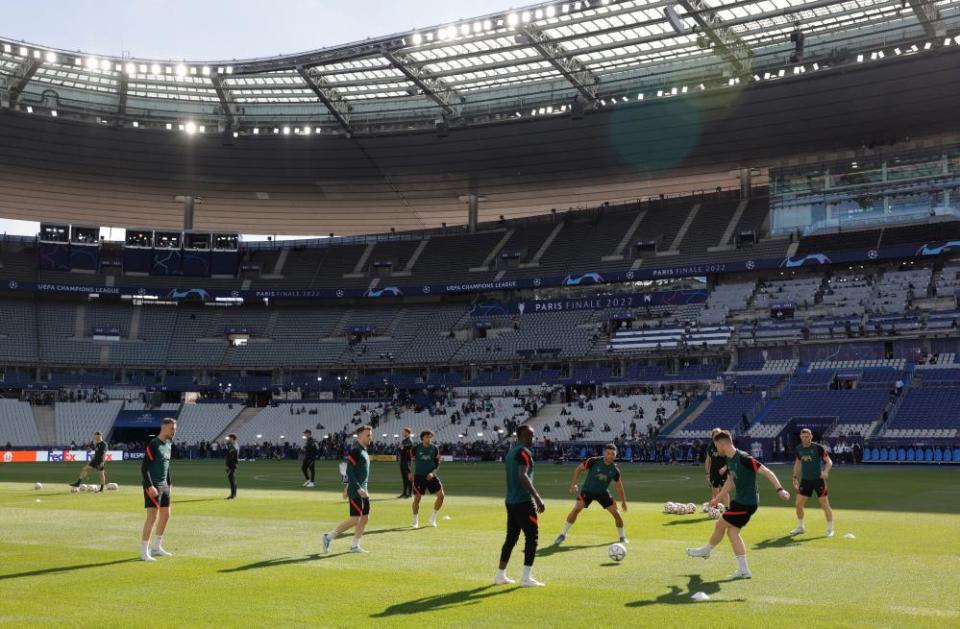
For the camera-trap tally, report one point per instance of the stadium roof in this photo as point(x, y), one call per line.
point(546, 59)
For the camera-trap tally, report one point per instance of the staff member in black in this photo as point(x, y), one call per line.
point(310, 452)
point(233, 457)
point(406, 446)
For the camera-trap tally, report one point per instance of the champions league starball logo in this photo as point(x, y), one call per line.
point(339, 292)
point(426, 290)
point(751, 265)
point(872, 254)
point(13, 284)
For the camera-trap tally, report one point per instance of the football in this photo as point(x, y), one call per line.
point(617, 552)
point(74, 490)
point(38, 485)
point(112, 487)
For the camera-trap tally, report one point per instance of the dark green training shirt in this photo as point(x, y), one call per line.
point(599, 475)
point(811, 460)
point(155, 469)
point(358, 470)
point(744, 468)
point(425, 459)
point(517, 457)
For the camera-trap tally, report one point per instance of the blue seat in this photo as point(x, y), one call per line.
point(938, 455)
point(883, 454)
point(583, 453)
point(956, 455)
point(629, 453)
point(928, 455)
point(875, 454)
point(901, 454)
point(948, 456)
point(910, 455)
point(867, 455)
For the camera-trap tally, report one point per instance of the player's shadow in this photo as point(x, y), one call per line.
point(284, 561)
point(393, 530)
point(46, 571)
point(687, 521)
point(445, 601)
point(785, 541)
point(682, 596)
point(554, 549)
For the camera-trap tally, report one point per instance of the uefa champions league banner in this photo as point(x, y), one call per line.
point(603, 302)
point(930, 249)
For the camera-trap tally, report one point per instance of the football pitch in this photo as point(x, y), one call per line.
point(71, 559)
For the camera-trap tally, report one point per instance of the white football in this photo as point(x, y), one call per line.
point(38, 485)
point(112, 487)
point(617, 552)
point(720, 507)
point(74, 490)
point(706, 507)
point(714, 514)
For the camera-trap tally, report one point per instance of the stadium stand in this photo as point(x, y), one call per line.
point(17, 425)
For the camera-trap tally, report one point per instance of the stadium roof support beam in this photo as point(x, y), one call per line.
point(226, 104)
point(929, 17)
point(334, 101)
point(726, 43)
point(20, 77)
point(572, 69)
point(432, 87)
point(122, 95)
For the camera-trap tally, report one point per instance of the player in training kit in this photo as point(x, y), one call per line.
point(523, 507)
point(358, 473)
point(601, 471)
point(310, 452)
point(743, 470)
point(233, 457)
point(715, 466)
point(811, 468)
point(98, 462)
point(406, 451)
point(425, 458)
point(155, 471)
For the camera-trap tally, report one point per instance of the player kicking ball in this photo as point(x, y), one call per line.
point(742, 469)
point(811, 468)
point(425, 458)
point(155, 472)
point(358, 473)
point(97, 463)
point(601, 471)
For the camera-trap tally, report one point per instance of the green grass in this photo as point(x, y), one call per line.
point(69, 560)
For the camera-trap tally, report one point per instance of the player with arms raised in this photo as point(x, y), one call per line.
point(743, 470)
point(523, 506)
point(425, 458)
point(98, 462)
point(811, 468)
point(601, 471)
point(358, 474)
point(155, 473)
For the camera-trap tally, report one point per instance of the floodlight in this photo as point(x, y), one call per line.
point(51, 57)
point(53, 112)
point(417, 39)
point(92, 63)
point(105, 65)
point(181, 70)
point(131, 69)
point(155, 69)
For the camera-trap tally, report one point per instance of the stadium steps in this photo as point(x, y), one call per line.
point(79, 321)
point(691, 215)
point(340, 328)
point(46, 420)
point(535, 261)
point(245, 416)
point(281, 261)
point(361, 263)
point(104, 357)
point(271, 324)
point(493, 253)
point(617, 253)
point(731, 226)
point(408, 267)
point(689, 414)
point(134, 332)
